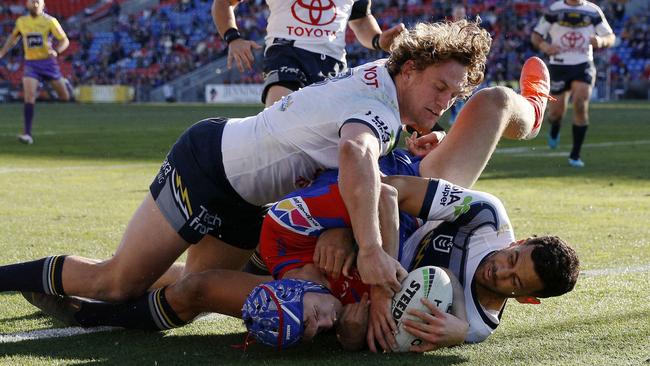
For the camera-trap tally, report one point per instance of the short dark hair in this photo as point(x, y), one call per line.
point(556, 264)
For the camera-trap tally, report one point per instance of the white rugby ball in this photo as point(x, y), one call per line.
point(425, 282)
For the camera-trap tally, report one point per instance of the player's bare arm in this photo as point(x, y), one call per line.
point(360, 187)
point(546, 47)
point(9, 43)
point(605, 41)
point(240, 51)
point(366, 29)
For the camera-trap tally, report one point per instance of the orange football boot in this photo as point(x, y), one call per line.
point(535, 84)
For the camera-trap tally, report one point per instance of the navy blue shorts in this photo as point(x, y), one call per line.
point(294, 67)
point(563, 75)
point(194, 195)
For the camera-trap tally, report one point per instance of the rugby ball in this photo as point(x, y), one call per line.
point(428, 282)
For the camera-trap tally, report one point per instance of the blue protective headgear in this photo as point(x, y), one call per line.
point(273, 312)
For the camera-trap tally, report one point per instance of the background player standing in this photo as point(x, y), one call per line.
point(575, 28)
point(304, 43)
point(40, 58)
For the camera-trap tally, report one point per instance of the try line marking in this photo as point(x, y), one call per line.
point(73, 331)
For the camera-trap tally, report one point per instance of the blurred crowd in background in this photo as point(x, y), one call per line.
point(161, 43)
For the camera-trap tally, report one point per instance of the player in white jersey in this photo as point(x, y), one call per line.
point(305, 40)
point(574, 28)
point(205, 198)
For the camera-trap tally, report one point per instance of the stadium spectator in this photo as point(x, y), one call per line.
point(301, 48)
point(575, 29)
point(35, 30)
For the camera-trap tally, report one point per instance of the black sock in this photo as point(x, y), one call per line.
point(256, 266)
point(150, 311)
point(43, 276)
point(555, 128)
point(579, 133)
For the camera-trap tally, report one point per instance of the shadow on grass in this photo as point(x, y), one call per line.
point(147, 348)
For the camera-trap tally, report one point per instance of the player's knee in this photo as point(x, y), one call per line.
point(388, 192)
point(192, 287)
point(110, 286)
point(499, 97)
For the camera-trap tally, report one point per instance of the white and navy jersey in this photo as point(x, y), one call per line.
point(463, 228)
point(298, 136)
point(315, 26)
point(570, 28)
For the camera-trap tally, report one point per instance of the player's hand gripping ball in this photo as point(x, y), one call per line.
point(428, 282)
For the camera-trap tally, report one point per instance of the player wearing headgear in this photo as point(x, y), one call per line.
point(574, 28)
point(210, 186)
point(36, 30)
point(305, 40)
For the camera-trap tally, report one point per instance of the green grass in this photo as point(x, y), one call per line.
point(76, 188)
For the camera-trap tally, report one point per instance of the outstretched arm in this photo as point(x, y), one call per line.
point(366, 28)
point(240, 51)
point(11, 41)
point(359, 185)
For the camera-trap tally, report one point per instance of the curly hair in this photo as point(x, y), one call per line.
point(432, 43)
point(556, 264)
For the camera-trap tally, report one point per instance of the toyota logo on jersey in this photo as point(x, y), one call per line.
point(573, 40)
point(314, 12)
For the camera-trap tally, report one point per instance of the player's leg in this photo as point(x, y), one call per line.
point(487, 115)
point(30, 88)
point(275, 93)
point(61, 89)
point(282, 72)
point(581, 93)
point(210, 253)
point(556, 111)
point(560, 90)
point(149, 246)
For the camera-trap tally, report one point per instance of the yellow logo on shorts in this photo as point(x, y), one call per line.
point(181, 195)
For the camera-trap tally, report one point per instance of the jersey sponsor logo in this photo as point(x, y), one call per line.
point(385, 134)
point(181, 195)
point(573, 41)
point(205, 222)
point(450, 194)
point(165, 168)
point(443, 243)
point(293, 214)
point(370, 76)
point(314, 12)
point(34, 40)
point(463, 207)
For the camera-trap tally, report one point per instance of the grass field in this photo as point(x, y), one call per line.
point(74, 190)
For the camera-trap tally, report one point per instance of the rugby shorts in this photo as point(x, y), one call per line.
point(563, 75)
point(294, 67)
point(196, 198)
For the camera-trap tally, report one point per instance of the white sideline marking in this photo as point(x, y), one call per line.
point(74, 331)
point(544, 151)
point(7, 170)
point(614, 271)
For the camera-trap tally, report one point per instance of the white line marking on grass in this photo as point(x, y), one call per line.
point(615, 271)
point(544, 152)
point(74, 331)
point(8, 170)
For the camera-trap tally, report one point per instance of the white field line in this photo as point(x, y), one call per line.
point(544, 151)
point(8, 170)
point(73, 331)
